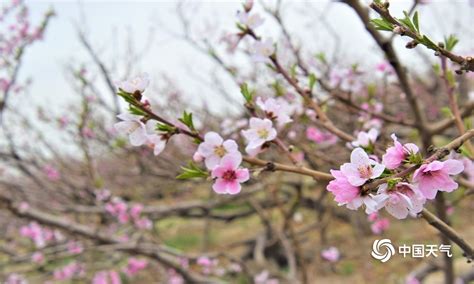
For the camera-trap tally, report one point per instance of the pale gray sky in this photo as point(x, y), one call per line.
point(107, 23)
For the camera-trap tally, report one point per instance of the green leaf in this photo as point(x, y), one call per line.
point(136, 111)
point(446, 111)
point(450, 42)
point(293, 71)
point(429, 43)
point(244, 90)
point(393, 182)
point(312, 81)
point(437, 69)
point(450, 78)
point(279, 89)
point(382, 24)
point(192, 171)
point(187, 119)
point(321, 57)
point(407, 22)
point(126, 96)
point(164, 128)
point(241, 27)
point(415, 21)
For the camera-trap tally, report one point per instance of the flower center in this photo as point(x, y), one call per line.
point(220, 151)
point(262, 133)
point(229, 175)
point(365, 171)
point(135, 126)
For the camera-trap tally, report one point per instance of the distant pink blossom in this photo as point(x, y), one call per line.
point(103, 277)
point(275, 109)
point(15, 279)
point(75, 247)
point(63, 121)
point(412, 280)
point(4, 84)
point(214, 148)
point(135, 265)
point(365, 139)
point(468, 168)
point(69, 271)
point(136, 210)
point(87, 132)
point(262, 50)
point(252, 21)
point(102, 194)
point(143, 223)
point(380, 225)
point(37, 257)
point(174, 277)
point(437, 176)
point(39, 235)
point(228, 175)
point(24, 206)
point(207, 264)
point(318, 136)
point(384, 67)
point(264, 278)
point(331, 254)
point(373, 217)
point(51, 173)
point(396, 154)
point(346, 79)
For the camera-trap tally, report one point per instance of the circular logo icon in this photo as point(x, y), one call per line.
point(382, 250)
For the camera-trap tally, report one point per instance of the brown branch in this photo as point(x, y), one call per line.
point(153, 251)
point(449, 232)
point(392, 57)
point(467, 63)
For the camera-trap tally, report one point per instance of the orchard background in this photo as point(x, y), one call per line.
point(228, 142)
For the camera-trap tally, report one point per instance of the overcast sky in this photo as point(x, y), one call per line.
point(108, 22)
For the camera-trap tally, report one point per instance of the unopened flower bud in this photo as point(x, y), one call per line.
point(411, 44)
point(248, 5)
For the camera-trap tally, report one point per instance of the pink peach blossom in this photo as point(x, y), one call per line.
point(436, 176)
point(396, 154)
point(275, 109)
point(261, 131)
point(401, 200)
point(228, 175)
point(132, 126)
point(361, 168)
point(262, 50)
point(365, 139)
point(214, 148)
point(252, 21)
point(138, 83)
point(349, 195)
